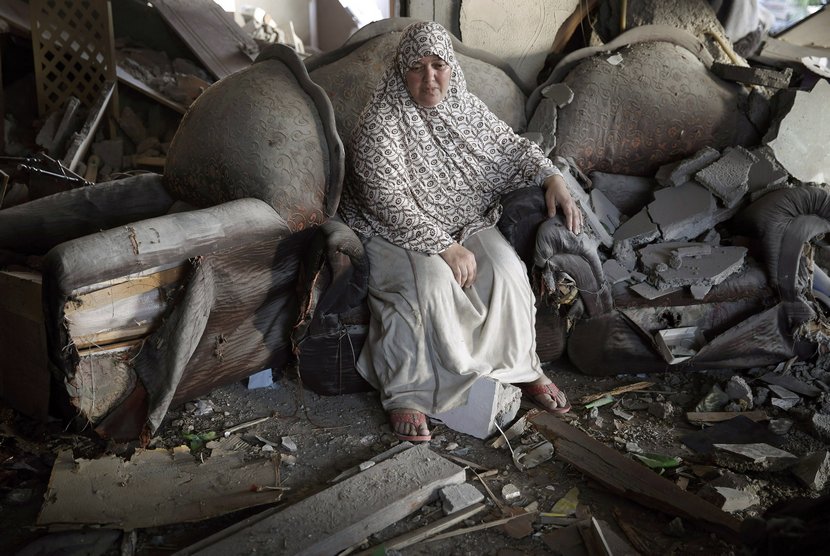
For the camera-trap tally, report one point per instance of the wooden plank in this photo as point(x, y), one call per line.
point(630, 479)
point(128, 288)
point(210, 32)
point(127, 78)
point(720, 416)
point(344, 514)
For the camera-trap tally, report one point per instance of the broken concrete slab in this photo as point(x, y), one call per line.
point(680, 172)
point(682, 212)
point(584, 202)
point(608, 214)
point(730, 499)
point(728, 177)
point(455, 498)
point(813, 470)
point(775, 79)
point(769, 457)
point(146, 491)
point(783, 393)
point(628, 193)
point(766, 172)
point(648, 291)
point(615, 272)
point(659, 260)
point(638, 230)
point(489, 402)
point(800, 140)
point(342, 515)
point(821, 426)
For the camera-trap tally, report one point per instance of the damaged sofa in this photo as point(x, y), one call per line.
point(618, 131)
point(157, 289)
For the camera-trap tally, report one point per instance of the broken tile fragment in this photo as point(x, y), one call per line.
point(457, 497)
point(682, 212)
point(800, 140)
point(678, 173)
point(813, 470)
point(775, 79)
point(728, 177)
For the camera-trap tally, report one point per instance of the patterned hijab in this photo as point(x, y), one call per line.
point(423, 178)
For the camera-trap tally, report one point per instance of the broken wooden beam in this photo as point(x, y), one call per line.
point(343, 514)
point(630, 479)
point(698, 417)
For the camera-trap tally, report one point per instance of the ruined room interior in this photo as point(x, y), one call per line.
point(182, 310)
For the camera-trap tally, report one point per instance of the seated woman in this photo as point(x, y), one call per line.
point(449, 298)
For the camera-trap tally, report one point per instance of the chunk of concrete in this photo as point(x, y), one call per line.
point(678, 173)
point(608, 214)
point(644, 289)
point(584, 202)
point(711, 269)
point(768, 456)
point(682, 212)
point(821, 426)
point(559, 93)
point(543, 122)
point(615, 272)
point(628, 193)
point(800, 140)
point(639, 229)
point(728, 177)
point(457, 497)
point(489, 402)
point(700, 291)
point(766, 172)
point(813, 470)
point(775, 79)
point(737, 389)
point(730, 499)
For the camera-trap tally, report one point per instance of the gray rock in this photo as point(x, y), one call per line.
point(813, 470)
point(738, 390)
point(458, 497)
point(821, 426)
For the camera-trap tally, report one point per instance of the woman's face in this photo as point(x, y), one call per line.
point(428, 80)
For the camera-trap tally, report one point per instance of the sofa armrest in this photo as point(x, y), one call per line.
point(559, 250)
point(334, 277)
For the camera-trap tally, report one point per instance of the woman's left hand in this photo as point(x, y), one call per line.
point(557, 194)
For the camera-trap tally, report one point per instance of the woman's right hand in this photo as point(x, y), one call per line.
point(462, 262)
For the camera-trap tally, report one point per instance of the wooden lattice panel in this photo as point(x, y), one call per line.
point(73, 49)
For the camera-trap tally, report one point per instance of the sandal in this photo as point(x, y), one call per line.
point(415, 418)
point(549, 389)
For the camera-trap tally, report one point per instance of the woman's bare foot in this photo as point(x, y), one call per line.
point(548, 395)
point(409, 424)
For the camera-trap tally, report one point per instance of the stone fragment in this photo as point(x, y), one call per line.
point(678, 173)
point(615, 272)
point(639, 229)
point(800, 141)
point(760, 453)
point(457, 497)
point(682, 212)
point(737, 389)
point(709, 269)
point(783, 393)
point(510, 492)
point(559, 93)
point(784, 403)
point(730, 499)
point(700, 291)
point(821, 426)
point(813, 470)
point(775, 79)
point(289, 444)
point(488, 402)
point(607, 213)
point(728, 177)
point(766, 172)
point(781, 427)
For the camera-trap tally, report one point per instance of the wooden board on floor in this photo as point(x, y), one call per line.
point(210, 32)
point(344, 514)
point(631, 479)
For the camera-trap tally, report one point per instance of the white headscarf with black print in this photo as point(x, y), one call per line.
point(423, 178)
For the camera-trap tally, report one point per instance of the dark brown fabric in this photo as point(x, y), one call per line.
point(659, 105)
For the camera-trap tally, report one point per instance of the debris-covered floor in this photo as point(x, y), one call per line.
point(683, 426)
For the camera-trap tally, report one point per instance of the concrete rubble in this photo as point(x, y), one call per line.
point(489, 404)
